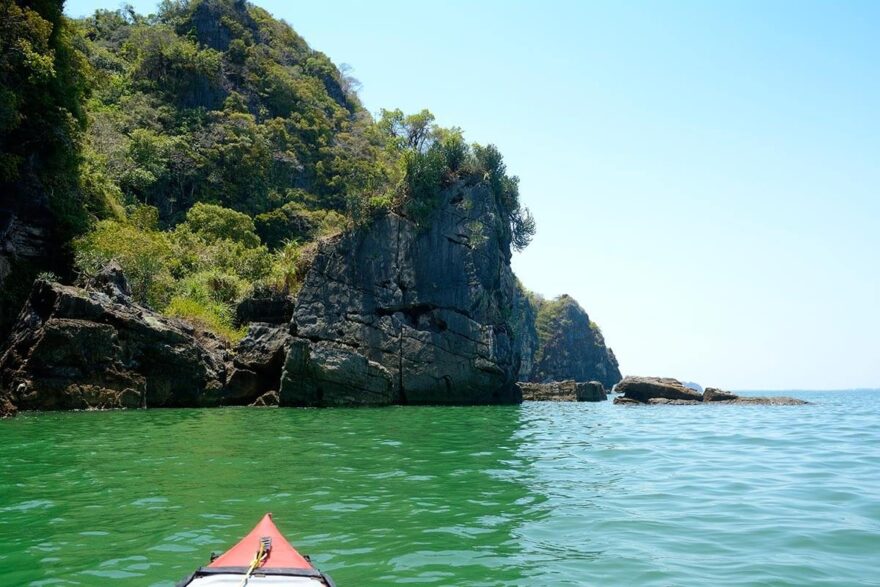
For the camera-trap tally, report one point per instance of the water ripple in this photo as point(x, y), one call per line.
point(540, 494)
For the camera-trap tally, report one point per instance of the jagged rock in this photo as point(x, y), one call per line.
point(571, 346)
point(259, 359)
point(712, 394)
point(402, 312)
point(269, 399)
point(28, 244)
point(591, 391)
point(523, 324)
point(78, 349)
point(331, 374)
point(7, 408)
point(563, 391)
point(111, 280)
point(644, 388)
point(626, 400)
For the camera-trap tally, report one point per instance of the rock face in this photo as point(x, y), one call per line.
point(668, 391)
point(591, 391)
point(402, 313)
point(265, 307)
point(523, 324)
point(563, 391)
point(27, 237)
point(256, 368)
point(571, 346)
point(78, 349)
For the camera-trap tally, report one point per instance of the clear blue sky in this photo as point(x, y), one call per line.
point(705, 175)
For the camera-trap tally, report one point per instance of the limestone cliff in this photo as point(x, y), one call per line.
point(571, 346)
point(402, 312)
point(523, 323)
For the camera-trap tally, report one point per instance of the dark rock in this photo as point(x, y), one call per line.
point(77, 349)
point(523, 325)
point(407, 312)
point(625, 400)
point(111, 280)
point(7, 408)
point(259, 359)
point(716, 395)
point(269, 399)
point(263, 306)
point(331, 374)
point(591, 391)
point(642, 389)
point(29, 244)
point(571, 346)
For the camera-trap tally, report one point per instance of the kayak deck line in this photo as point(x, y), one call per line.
point(262, 558)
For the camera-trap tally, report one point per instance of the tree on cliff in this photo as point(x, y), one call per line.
point(209, 103)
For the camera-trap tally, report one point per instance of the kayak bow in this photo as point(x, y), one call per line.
point(262, 558)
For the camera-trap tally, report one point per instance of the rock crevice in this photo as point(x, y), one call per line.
point(407, 315)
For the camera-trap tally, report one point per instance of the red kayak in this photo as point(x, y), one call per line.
point(262, 558)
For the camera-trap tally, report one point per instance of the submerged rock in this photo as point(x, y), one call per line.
point(668, 391)
point(83, 349)
point(401, 312)
point(563, 391)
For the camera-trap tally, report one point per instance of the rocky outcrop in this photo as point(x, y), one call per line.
point(668, 391)
point(74, 348)
point(523, 325)
point(257, 364)
point(7, 408)
point(642, 389)
point(591, 391)
point(407, 312)
point(571, 346)
point(712, 394)
point(563, 391)
point(27, 239)
point(269, 399)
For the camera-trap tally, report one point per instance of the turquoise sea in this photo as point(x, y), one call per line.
point(539, 494)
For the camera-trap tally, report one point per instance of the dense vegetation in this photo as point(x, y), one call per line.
point(213, 147)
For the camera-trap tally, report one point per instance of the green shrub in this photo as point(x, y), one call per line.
point(144, 255)
point(214, 223)
point(213, 317)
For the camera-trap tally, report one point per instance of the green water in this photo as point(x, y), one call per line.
point(538, 494)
